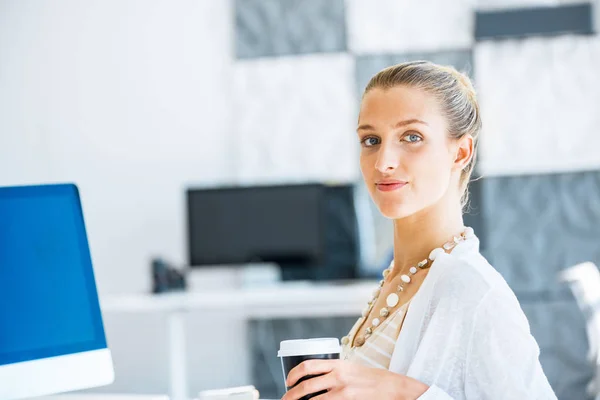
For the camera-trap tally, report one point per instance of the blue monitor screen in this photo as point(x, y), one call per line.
point(48, 299)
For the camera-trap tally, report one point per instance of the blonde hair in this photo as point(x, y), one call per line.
point(455, 94)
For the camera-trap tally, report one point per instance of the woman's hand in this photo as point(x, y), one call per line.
point(345, 380)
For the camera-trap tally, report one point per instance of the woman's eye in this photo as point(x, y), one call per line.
point(413, 138)
point(369, 141)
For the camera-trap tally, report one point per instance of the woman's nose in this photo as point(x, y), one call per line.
point(387, 160)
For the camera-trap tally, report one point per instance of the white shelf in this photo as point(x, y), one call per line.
point(273, 301)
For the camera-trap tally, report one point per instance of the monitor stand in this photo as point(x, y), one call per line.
point(229, 277)
point(259, 274)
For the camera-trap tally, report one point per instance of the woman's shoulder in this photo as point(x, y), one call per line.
point(468, 278)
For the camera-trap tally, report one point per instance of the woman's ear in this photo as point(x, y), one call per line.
point(464, 152)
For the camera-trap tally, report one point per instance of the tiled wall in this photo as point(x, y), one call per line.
point(299, 75)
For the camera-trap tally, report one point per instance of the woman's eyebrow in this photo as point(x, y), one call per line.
point(368, 127)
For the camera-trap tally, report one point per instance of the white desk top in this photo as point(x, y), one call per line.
point(86, 396)
point(286, 299)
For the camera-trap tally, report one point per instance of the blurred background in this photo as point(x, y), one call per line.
point(146, 104)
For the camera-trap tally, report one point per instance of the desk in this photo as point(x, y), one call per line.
point(76, 396)
point(86, 396)
point(282, 300)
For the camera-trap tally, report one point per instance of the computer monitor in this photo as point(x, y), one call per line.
point(51, 333)
point(239, 225)
point(309, 230)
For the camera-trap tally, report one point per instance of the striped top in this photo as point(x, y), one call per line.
point(378, 348)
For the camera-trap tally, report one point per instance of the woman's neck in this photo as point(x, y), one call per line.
point(415, 236)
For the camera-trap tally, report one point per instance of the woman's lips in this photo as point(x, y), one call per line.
point(388, 187)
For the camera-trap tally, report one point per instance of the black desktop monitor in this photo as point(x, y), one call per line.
point(309, 230)
point(238, 225)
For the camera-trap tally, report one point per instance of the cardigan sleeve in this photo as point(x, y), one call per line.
point(502, 356)
point(435, 393)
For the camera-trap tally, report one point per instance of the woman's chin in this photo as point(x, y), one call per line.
point(395, 211)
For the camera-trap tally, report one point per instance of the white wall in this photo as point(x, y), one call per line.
point(131, 100)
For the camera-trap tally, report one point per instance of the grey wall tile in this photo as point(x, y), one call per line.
point(538, 225)
point(559, 329)
point(264, 339)
point(286, 27)
point(534, 21)
point(369, 65)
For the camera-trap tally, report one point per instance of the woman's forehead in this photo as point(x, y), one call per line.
point(400, 103)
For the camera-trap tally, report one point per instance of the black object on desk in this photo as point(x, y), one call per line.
point(166, 277)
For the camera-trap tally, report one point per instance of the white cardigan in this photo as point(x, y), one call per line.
point(466, 336)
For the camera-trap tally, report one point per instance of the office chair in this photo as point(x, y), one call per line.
point(584, 281)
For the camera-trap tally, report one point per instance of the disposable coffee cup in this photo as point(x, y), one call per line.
point(294, 352)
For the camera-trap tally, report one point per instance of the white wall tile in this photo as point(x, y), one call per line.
point(392, 26)
point(295, 119)
point(539, 103)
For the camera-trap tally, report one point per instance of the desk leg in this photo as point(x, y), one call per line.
point(177, 355)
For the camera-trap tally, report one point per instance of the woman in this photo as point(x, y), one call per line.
point(443, 324)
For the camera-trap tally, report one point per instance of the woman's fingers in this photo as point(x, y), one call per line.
point(310, 367)
point(312, 385)
point(335, 394)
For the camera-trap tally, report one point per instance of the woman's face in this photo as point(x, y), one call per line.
point(407, 158)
